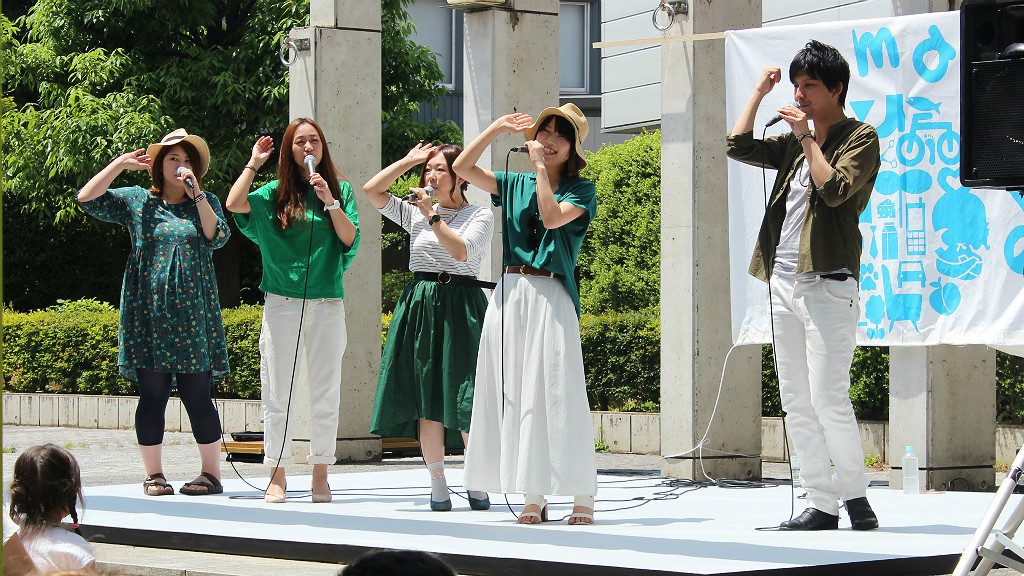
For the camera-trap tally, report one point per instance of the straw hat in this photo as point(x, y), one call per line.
point(179, 136)
point(574, 115)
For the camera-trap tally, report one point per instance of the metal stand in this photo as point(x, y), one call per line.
point(1003, 536)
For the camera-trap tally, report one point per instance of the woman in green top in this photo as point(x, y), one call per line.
point(532, 432)
point(170, 327)
point(307, 227)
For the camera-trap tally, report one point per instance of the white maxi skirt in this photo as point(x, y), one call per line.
point(531, 431)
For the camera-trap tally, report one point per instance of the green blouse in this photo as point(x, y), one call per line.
point(285, 252)
point(525, 240)
point(170, 317)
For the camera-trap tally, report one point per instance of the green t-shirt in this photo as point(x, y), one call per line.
point(525, 240)
point(285, 252)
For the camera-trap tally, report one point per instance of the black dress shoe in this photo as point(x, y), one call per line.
point(811, 519)
point(862, 517)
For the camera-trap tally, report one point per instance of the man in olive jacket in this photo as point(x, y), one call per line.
point(808, 250)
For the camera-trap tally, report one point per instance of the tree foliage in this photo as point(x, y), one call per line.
point(619, 260)
point(86, 80)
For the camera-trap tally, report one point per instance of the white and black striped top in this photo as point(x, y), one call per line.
point(426, 254)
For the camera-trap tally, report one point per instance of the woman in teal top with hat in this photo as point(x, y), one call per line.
point(306, 224)
point(532, 431)
point(170, 329)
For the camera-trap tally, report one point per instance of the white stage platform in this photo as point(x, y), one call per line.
point(687, 531)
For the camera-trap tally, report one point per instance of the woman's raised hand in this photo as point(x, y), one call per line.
point(513, 123)
point(420, 152)
point(262, 150)
point(135, 160)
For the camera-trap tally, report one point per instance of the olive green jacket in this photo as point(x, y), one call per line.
point(831, 238)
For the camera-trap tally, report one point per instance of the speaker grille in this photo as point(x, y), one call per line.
point(994, 144)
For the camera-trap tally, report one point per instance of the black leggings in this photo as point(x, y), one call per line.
point(194, 390)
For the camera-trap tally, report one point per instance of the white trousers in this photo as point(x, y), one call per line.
point(815, 337)
point(320, 349)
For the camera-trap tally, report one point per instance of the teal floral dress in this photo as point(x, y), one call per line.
point(170, 308)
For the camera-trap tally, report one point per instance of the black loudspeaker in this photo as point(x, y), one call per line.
point(992, 93)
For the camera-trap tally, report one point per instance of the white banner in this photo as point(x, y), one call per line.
point(942, 264)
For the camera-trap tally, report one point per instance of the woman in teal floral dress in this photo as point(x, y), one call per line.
point(170, 323)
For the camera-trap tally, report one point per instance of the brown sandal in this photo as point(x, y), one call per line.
point(198, 488)
point(161, 488)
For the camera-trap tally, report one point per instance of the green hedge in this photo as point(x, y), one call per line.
point(71, 348)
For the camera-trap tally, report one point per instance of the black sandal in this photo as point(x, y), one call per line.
point(196, 488)
point(162, 488)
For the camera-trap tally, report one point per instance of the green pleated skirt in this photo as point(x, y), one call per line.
point(428, 365)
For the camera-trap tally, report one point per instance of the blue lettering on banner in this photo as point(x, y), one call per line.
point(877, 45)
point(938, 44)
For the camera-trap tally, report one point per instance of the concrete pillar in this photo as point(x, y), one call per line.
point(342, 93)
point(510, 65)
point(695, 313)
point(942, 402)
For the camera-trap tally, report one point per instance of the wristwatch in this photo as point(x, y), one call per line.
point(334, 206)
point(434, 219)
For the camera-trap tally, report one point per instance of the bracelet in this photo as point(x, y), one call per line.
point(801, 137)
point(250, 168)
point(199, 198)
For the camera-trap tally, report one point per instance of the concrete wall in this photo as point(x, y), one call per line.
point(621, 432)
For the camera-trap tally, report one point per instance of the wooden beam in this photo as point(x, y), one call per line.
point(659, 40)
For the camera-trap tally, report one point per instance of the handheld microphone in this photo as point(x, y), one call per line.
point(520, 149)
point(310, 162)
point(778, 117)
point(181, 170)
point(428, 189)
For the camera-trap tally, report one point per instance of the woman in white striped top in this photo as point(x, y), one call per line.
point(428, 366)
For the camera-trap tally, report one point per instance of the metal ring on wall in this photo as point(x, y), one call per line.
point(289, 52)
point(672, 7)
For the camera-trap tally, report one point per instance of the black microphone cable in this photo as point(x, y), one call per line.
point(775, 357)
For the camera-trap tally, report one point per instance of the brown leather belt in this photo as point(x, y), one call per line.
point(528, 271)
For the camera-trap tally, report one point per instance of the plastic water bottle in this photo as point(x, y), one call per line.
point(911, 482)
point(794, 463)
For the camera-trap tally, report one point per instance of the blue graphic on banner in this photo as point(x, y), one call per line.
point(1013, 250)
point(910, 205)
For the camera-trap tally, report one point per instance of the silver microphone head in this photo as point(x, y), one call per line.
point(310, 162)
point(412, 195)
point(181, 172)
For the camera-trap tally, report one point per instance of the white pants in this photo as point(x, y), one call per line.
point(815, 337)
point(321, 348)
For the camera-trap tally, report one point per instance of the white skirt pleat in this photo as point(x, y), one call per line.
point(536, 437)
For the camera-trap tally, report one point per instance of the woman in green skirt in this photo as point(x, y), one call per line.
point(429, 360)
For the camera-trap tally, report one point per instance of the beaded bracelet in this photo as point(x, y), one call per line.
point(199, 198)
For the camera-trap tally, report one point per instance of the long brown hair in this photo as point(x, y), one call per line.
point(157, 167)
point(291, 188)
point(450, 153)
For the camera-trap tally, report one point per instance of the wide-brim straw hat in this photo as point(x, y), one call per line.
point(179, 136)
point(574, 115)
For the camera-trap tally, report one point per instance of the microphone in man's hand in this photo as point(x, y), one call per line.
point(181, 170)
point(778, 117)
point(428, 189)
point(310, 162)
point(523, 149)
